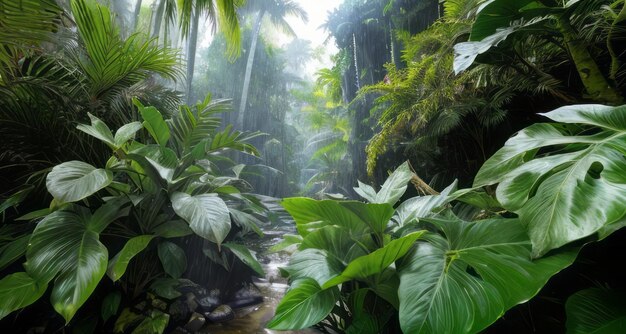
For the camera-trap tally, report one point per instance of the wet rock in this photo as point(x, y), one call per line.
point(190, 299)
point(196, 322)
point(187, 286)
point(245, 302)
point(180, 330)
point(179, 311)
point(221, 314)
point(208, 303)
point(158, 304)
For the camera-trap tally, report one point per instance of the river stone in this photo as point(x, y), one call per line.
point(187, 286)
point(180, 330)
point(208, 303)
point(179, 310)
point(221, 314)
point(196, 322)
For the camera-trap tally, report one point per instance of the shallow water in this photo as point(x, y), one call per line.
point(252, 320)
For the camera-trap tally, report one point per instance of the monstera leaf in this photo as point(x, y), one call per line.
point(65, 245)
point(463, 283)
point(573, 192)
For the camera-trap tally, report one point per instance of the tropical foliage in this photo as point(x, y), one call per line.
point(431, 271)
point(149, 194)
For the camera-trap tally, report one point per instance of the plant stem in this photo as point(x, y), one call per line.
point(592, 78)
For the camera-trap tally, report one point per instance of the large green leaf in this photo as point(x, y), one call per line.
point(375, 262)
point(110, 305)
point(376, 216)
point(311, 214)
point(74, 180)
point(573, 193)
point(153, 122)
point(65, 244)
point(336, 241)
point(126, 133)
point(304, 305)
point(98, 129)
point(17, 291)
point(595, 310)
point(244, 254)
point(314, 264)
point(134, 246)
point(206, 214)
point(395, 185)
point(173, 259)
point(422, 206)
point(13, 250)
point(465, 282)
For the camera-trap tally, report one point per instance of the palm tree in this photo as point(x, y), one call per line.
point(189, 14)
point(277, 11)
point(92, 69)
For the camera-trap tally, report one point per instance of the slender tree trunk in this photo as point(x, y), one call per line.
point(356, 64)
point(597, 86)
point(616, 49)
point(246, 80)
point(158, 18)
point(191, 52)
point(136, 15)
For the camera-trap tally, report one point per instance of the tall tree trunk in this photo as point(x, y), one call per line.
point(136, 15)
point(158, 18)
point(597, 86)
point(191, 51)
point(246, 80)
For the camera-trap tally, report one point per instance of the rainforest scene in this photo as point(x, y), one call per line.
point(306, 167)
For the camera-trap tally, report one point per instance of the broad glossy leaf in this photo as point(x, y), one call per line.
point(311, 214)
point(74, 180)
point(110, 305)
point(161, 160)
point(314, 264)
point(18, 291)
point(366, 191)
point(134, 246)
point(377, 261)
point(98, 129)
point(166, 288)
point(154, 123)
point(247, 222)
point(206, 214)
point(173, 229)
point(422, 206)
point(464, 283)
point(498, 14)
point(173, 259)
point(596, 311)
point(13, 250)
point(65, 244)
point(376, 216)
point(304, 305)
point(571, 194)
point(395, 185)
point(336, 241)
point(126, 133)
point(244, 254)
